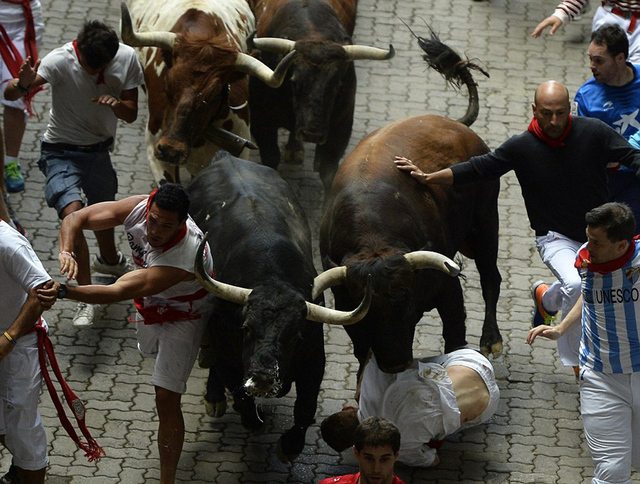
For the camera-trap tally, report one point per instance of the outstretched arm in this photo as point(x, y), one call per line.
point(552, 21)
point(441, 177)
point(556, 332)
point(132, 285)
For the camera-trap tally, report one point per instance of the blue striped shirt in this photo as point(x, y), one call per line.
point(610, 340)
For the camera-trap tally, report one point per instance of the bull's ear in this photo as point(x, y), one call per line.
point(327, 263)
point(250, 45)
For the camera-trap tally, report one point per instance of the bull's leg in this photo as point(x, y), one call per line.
point(490, 279)
point(484, 240)
point(294, 150)
point(453, 315)
point(308, 384)
point(215, 399)
point(328, 155)
point(266, 137)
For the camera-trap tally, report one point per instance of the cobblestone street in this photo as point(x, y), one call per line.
point(535, 436)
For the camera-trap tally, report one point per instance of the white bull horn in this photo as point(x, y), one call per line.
point(252, 66)
point(329, 278)
point(320, 314)
point(274, 44)
point(424, 259)
point(162, 40)
point(234, 294)
point(364, 52)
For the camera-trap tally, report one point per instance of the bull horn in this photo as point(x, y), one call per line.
point(329, 278)
point(252, 66)
point(274, 44)
point(424, 259)
point(320, 314)
point(162, 40)
point(364, 52)
point(234, 294)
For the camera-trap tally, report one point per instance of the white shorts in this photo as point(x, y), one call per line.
point(20, 423)
point(16, 32)
point(175, 347)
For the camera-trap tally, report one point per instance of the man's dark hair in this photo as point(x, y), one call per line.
point(376, 432)
point(174, 198)
point(98, 43)
point(613, 37)
point(616, 219)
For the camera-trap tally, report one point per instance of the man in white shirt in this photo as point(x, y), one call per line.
point(94, 82)
point(435, 397)
point(21, 429)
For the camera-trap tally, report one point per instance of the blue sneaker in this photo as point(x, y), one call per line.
point(13, 178)
point(540, 314)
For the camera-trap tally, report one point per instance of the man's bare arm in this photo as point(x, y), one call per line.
point(135, 284)
point(100, 216)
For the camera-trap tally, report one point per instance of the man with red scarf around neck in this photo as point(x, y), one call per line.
point(560, 163)
point(172, 307)
point(609, 265)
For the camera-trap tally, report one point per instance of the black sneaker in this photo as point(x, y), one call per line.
point(11, 477)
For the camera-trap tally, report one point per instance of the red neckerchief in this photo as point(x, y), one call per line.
point(10, 54)
point(92, 451)
point(100, 74)
point(535, 128)
point(182, 231)
point(583, 261)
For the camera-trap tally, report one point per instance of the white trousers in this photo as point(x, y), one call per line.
point(559, 255)
point(603, 16)
point(610, 408)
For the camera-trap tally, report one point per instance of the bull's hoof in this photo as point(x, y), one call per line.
point(495, 349)
point(215, 409)
point(293, 154)
point(290, 445)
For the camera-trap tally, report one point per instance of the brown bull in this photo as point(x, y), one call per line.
point(194, 61)
point(376, 216)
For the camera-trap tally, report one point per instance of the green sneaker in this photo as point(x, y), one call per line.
point(13, 178)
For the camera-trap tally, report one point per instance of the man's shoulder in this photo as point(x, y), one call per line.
point(346, 479)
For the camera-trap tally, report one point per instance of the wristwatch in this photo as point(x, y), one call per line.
point(62, 292)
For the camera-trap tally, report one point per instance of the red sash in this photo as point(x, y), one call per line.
point(45, 349)
point(10, 54)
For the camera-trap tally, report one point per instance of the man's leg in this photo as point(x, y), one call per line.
point(170, 433)
point(605, 406)
point(559, 253)
point(15, 123)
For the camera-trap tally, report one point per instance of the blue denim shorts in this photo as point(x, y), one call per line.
point(70, 173)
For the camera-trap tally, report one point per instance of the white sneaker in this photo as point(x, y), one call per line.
point(122, 267)
point(84, 315)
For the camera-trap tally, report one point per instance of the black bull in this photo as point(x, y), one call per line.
point(265, 335)
point(375, 214)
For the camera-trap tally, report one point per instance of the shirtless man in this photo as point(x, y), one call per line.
point(435, 397)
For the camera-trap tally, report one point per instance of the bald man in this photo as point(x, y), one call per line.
point(560, 163)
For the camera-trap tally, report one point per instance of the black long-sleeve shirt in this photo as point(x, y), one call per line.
point(559, 185)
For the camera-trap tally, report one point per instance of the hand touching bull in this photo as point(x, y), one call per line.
point(441, 177)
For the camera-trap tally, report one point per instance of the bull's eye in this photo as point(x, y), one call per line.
point(246, 331)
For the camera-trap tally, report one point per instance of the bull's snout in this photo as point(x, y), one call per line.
point(174, 153)
point(263, 383)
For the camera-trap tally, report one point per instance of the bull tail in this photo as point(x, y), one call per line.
point(456, 71)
